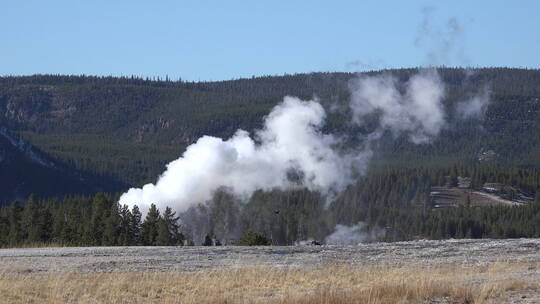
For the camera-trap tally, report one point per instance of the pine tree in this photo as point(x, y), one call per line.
point(149, 228)
point(125, 236)
point(164, 237)
point(111, 227)
point(208, 240)
point(95, 226)
point(30, 221)
point(15, 235)
point(4, 226)
point(135, 230)
point(171, 222)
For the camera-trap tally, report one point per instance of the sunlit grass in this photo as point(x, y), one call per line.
point(341, 283)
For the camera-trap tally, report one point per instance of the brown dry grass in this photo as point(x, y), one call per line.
point(329, 284)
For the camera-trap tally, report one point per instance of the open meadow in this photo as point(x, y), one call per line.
point(452, 271)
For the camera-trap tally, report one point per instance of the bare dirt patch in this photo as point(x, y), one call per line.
point(448, 197)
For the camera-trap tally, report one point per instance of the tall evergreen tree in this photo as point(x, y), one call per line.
point(95, 226)
point(149, 228)
point(30, 221)
point(135, 230)
point(15, 234)
point(125, 236)
point(171, 221)
point(111, 226)
point(164, 236)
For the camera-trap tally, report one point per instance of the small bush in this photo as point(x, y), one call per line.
point(253, 239)
point(208, 240)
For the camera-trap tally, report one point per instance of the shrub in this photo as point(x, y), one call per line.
point(253, 239)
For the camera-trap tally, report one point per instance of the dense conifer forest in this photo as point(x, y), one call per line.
point(395, 201)
point(129, 128)
point(109, 133)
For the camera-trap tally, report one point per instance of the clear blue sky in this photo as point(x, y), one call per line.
point(214, 40)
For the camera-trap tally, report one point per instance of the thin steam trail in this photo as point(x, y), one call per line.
point(291, 151)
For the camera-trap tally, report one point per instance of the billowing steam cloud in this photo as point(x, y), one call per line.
point(418, 111)
point(289, 151)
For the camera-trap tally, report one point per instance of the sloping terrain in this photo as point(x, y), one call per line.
point(129, 128)
point(25, 170)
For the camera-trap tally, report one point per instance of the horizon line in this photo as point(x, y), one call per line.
point(167, 78)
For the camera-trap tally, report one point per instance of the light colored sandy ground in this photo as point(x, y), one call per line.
point(497, 199)
point(180, 259)
point(445, 196)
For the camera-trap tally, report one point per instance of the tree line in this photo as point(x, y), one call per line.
point(87, 221)
point(394, 200)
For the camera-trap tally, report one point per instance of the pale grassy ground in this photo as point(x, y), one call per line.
point(333, 283)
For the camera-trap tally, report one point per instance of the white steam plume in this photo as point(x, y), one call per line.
point(353, 235)
point(418, 111)
point(475, 107)
point(290, 142)
point(291, 151)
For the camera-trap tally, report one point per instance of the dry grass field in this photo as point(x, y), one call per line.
point(451, 271)
point(330, 284)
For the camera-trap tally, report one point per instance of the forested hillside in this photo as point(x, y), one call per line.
point(81, 135)
point(129, 128)
point(25, 170)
